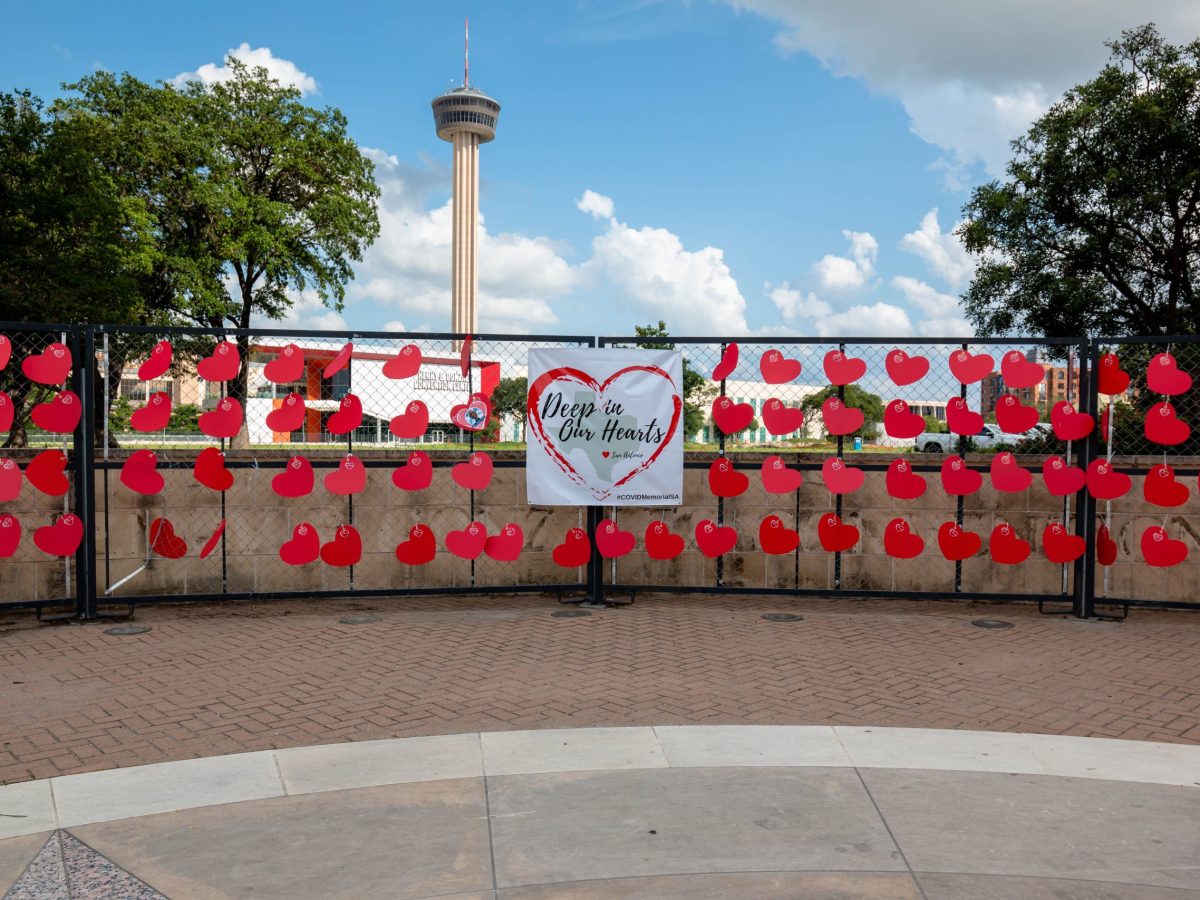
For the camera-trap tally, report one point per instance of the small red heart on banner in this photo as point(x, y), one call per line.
point(468, 543)
point(731, 417)
point(62, 538)
point(902, 482)
point(1163, 427)
point(157, 363)
point(296, 479)
point(1068, 424)
point(416, 474)
point(899, 422)
point(777, 368)
point(5, 351)
point(777, 478)
point(412, 422)
point(1113, 379)
point(904, 369)
point(464, 355)
point(714, 540)
point(834, 535)
point(839, 418)
point(1161, 551)
point(475, 474)
point(776, 538)
point(1106, 483)
point(6, 412)
point(958, 478)
point(1062, 479)
point(1008, 475)
point(1160, 487)
point(404, 364)
point(506, 545)
point(10, 534)
point(210, 470)
point(780, 419)
point(60, 415)
point(961, 419)
point(339, 362)
point(724, 480)
point(222, 365)
point(1019, 372)
point(223, 422)
point(1060, 546)
point(1106, 547)
point(729, 361)
point(140, 473)
point(612, 542)
point(1012, 417)
point(289, 415)
point(575, 550)
point(419, 549)
point(287, 366)
point(345, 549)
point(10, 479)
point(1006, 547)
point(154, 416)
point(1163, 376)
point(968, 369)
point(957, 544)
point(472, 415)
point(841, 369)
point(215, 538)
point(46, 472)
point(840, 478)
point(303, 548)
point(899, 541)
point(661, 543)
point(51, 366)
point(165, 542)
point(350, 477)
point(349, 416)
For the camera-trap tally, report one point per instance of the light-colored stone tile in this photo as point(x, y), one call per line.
point(16, 854)
point(1144, 761)
point(335, 767)
point(27, 808)
point(931, 748)
point(571, 750)
point(756, 885)
point(751, 745)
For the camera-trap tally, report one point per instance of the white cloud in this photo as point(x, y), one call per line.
point(596, 205)
point(796, 304)
point(849, 273)
point(942, 251)
point(307, 312)
point(284, 71)
point(942, 313)
point(876, 320)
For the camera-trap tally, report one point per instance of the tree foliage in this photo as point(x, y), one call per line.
point(698, 392)
point(509, 397)
point(870, 404)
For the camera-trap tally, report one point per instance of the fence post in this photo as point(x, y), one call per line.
point(1083, 604)
point(83, 350)
point(594, 589)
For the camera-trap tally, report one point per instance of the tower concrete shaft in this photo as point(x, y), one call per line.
point(464, 279)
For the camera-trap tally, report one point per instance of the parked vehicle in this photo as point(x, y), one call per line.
point(991, 436)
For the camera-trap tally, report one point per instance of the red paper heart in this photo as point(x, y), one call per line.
point(902, 482)
point(1068, 424)
point(303, 548)
point(345, 549)
point(140, 472)
point(661, 543)
point(959, 479)
point(5, 351)
point(776, 538)
point(419, 549)
point(349, 416)
point(45, 472)
point(834, 535)
point(714, 540)
point(215, 538)
point(475, 474)
point(1006, 547)
point(412, 422)
point(62, 538)
point(1008, 475)
point(210, 470)
point(1106, 483)
point(339, 362)
point(839, 418)
point(731, 417)
point(464, 355)
point(961, 419)
point(780, 419)
point(154, 416)
point(612, 542)
point(222, 365)
point(506, 545)
point(60, 415)
point(729, 361)
point(1161, 551)
point(1012, 417)
point(472, 415)
point(968, 369)
point(841, 369)
point(6, 412)
point(777, 478)
point(1062, 479)
point(1106, 547)
point(289, 415)
point(1104, 423)
point(225, 421)
point(287, 366)
point(840, 478)
point(404, 364)
point(1160, 487)
point(1060, 546)
point(350, 477)
point(957, 544)
point(575, 550)
point(1163, 376)
point(10, 534)
point(157, 363)
point(777, 368)
point(899, 422)
point(1113, 379)
point(416, 474)
point(904, 369)
point(1163, 427)
point(165, 542)
point(51, 366)
point(296, 479)
point(10, 479)
point(724, 480)
point(1018, 372)
point(899, 541)
point(468, 543)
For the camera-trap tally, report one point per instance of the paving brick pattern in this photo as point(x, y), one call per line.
point(228, 678)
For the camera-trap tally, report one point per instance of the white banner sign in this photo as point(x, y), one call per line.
point(605, 427)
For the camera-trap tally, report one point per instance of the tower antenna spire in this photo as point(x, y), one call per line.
point(466, 52)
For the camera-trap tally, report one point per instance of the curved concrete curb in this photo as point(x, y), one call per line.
point(105, 796)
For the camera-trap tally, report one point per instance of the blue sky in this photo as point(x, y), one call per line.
point(787, 166)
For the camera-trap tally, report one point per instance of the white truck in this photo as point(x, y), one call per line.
point(991, 436)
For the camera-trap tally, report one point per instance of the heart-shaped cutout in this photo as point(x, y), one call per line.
point(213, 540)
point(835, 535)
point(780, 419)
point(1106, 547)
point(724, 480)
point(899, 541)
point(1060, 546)
point(1162, 426)
point(956, 543)
point(345, 549)
point(1105, 422)
point(339, 361)
point(1160, 487)
point(959, 479)
point(1160, 550)
point(1019, 372)
point(157, 363)
point(289, 415)
point(468, 543)
point(839, 418)
point(840, 478)
point(841, 369)
point(349, 415)
point(661, 543)
point(899, 422)
point(140, 472)
point(10, 479)
point(777, 368)
point(1012, 417)
point(209, 469)
point(404, 364)
point(1113, 379)
point(303, 548)
point(10, 534)
point(419, 548)
point(60, 415)
point(505, 545)
point(46, 472)
point(165, 542)
point(475, 474)
point(225, 421)
point(1106, 483)
point(714, 540)
point(731, 417)
point(222, 364)
point(575, 550)
point(904, 369)
point(5, 351)
point(62, 538)
point(612, 542)
point(1163, 376)
point(287, 367)
point(776, 538)
point(296, 479)
point(1008, 475)
point(464, 355)
point(154, 416)
point(729, 361)
point(50, 367)
point(472, 415)
point(1062, 479)
point(6, 412)
point(902, 482)
point(416, 474)
point(961, 419)
point(412, 422)
point(968, 369)
point(1068, 423)
point(350, 477)
point(777, 478)
point(1006, 547)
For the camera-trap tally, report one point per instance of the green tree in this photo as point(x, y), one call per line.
point(934, 425)
point(508, 399)
point(698, 391)
point(870, 404)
